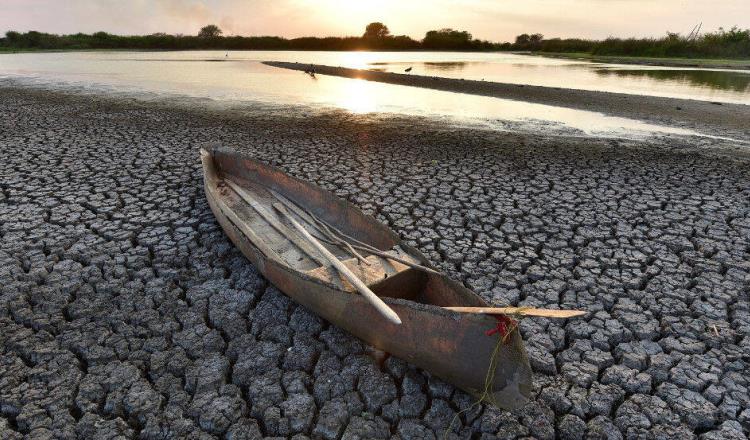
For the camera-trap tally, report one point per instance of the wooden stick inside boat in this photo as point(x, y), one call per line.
point(271, 220)
point(369, 295)
point(523, 311)
point(304, 213)
point(324, 230)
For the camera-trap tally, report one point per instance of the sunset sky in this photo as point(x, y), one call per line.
point(497, 20)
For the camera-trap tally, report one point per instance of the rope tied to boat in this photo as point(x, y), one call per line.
point(504, 326)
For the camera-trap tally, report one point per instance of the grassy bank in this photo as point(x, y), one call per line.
point(653, 61)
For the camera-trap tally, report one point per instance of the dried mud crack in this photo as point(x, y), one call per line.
point(126, 312)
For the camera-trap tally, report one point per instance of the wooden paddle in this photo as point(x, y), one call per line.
point(523, 311)
point(369, 295)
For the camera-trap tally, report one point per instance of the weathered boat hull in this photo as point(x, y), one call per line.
point(450, 345)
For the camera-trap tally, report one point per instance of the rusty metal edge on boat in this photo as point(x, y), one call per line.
point(462, 349)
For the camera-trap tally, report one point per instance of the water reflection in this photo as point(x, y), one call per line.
point(189, 66)
point(445, 66)
point(692, 83)
point(428, 65)
point(714, 79)
point(357, 96)
point(250, 83)
point(245, 79)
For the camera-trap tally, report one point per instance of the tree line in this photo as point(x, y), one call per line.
point(724, 43)
point(377, 36)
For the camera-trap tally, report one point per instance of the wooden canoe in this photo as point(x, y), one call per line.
point(451, 345)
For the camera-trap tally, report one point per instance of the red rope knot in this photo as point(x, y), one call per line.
point(504, 326)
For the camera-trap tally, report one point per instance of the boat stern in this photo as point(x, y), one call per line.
point(513, 396)
point(512, 383)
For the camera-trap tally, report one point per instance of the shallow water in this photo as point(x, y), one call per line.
point(675, 82)
point(693, 83)
point(239, 77)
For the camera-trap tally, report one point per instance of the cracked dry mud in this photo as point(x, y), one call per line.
point(126, 312)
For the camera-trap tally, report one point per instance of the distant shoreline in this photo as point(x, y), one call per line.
point(701, 63)
point(714, 117)
point(6, 50)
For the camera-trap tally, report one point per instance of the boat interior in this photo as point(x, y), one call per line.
point(266, 215)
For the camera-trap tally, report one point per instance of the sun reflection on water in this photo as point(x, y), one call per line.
point(357, 60)
point(358, 96)
point(247, 80)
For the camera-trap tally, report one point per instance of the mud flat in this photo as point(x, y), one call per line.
point(721, 119)
point(125, 311)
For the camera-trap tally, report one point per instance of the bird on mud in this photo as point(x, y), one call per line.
point(310, 71)
point(408, 70)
